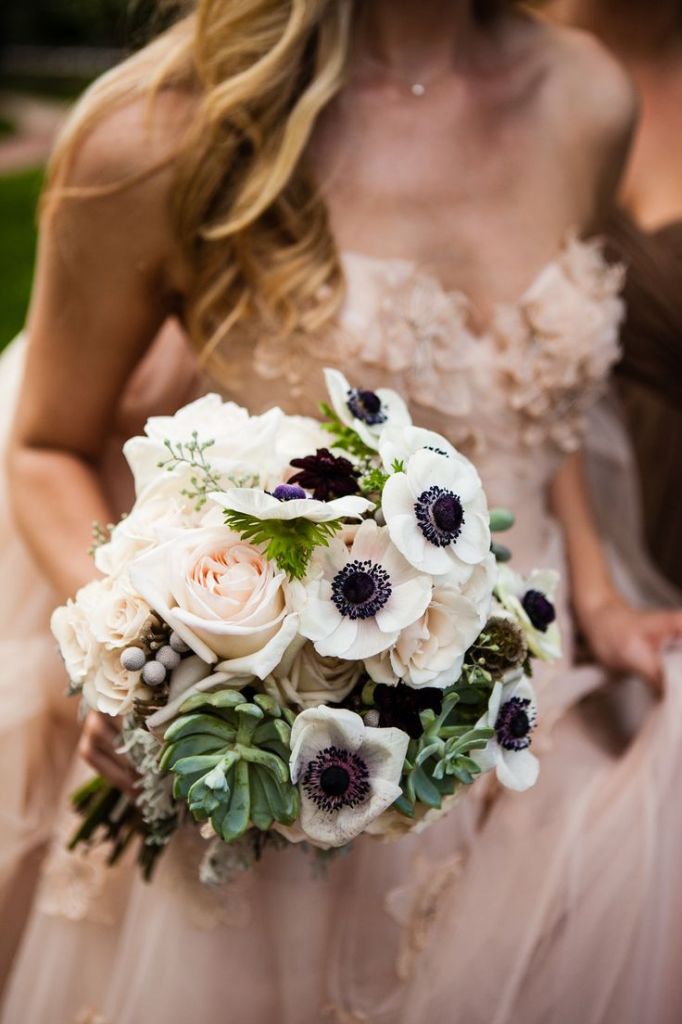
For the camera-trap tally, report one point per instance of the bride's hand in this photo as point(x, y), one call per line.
point(99, 745)
point(625, 639)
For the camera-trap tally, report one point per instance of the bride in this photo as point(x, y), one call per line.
point(408, 192)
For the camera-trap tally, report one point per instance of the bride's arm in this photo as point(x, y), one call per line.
point(107, 276)
point(104, 284)
point(622, 638)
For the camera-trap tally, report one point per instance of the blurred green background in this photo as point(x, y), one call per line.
point(49, 51)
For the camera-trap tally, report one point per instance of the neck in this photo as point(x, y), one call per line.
point(632, 28)
point(414, 39)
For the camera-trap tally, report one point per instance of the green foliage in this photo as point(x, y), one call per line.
point(373, 480)
point(501, 519)
point(439, 760)
point(230, 758)
point(288, 542)
point(18, 198)
point(344, 437)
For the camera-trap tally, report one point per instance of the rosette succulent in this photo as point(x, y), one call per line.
point(230, 758)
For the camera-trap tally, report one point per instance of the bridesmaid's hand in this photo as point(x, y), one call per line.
point(99, 745)
point(624, 639)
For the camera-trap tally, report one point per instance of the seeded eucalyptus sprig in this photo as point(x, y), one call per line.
point(289, 543)
point(193, 454)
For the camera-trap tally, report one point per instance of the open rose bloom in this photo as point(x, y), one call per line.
point(304, 628)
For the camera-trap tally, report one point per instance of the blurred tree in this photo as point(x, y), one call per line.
point(74, 22)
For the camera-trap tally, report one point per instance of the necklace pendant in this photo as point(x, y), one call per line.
point(417, 89)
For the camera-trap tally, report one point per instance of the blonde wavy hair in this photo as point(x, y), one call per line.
point(249, 219)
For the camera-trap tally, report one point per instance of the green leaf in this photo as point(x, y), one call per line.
point(344, 437)
point(425, 789)
point(289, 543)
point(501, 519)
point(501, 553)
point(236, 821)
point(261, 815)
point(188, 747)
point(218, 700)
point(198, 725)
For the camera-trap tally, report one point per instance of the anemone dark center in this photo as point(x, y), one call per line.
point(336, 778)
point(361, 589)
point(288, 492)
point(515, 723)
point(539, 609)
point(440, 515)
point(366, 406)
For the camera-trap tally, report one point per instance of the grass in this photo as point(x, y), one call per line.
point(18, 197)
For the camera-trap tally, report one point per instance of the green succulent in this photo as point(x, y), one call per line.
point(439, 760)
point(230, 758)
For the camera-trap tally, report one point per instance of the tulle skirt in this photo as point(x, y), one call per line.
point(558, 905)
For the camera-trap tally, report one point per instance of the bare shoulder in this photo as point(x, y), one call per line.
point(118, 161)
point(120, 139)
point(590, 88)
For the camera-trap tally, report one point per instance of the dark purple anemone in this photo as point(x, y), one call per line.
point(327, 476)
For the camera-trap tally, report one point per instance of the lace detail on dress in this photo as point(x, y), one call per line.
point(415, 906)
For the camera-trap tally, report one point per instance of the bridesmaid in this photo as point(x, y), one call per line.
point(647, 235)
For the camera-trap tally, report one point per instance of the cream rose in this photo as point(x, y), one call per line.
point(430, 652)
point(71, 628)
point(304, 679)
point(222, 596)
point(110, 688)
point(119, 616)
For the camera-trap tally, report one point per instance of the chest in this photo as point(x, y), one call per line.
point(458, 188)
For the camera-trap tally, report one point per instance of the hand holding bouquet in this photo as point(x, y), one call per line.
point(306, 630)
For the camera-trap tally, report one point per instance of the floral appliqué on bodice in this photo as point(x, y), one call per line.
point(527, 380)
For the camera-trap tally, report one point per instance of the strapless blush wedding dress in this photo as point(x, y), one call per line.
point(551, 907)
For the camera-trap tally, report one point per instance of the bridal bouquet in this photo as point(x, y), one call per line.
point(305, 629)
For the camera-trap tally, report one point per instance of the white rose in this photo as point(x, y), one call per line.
point(151, 520)
point(304, 679)
point(119, 616)
point(110, 688)
point(240, 443)
point(222, 596)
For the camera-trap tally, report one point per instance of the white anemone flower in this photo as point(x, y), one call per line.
point(368, 413)
point(288, 501)
point(437, 515)
point(531, 602)
point(397, 444)
point(355, 602)
point(347, 773)
point(512, 712)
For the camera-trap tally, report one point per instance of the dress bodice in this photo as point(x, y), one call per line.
point(512, 396)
